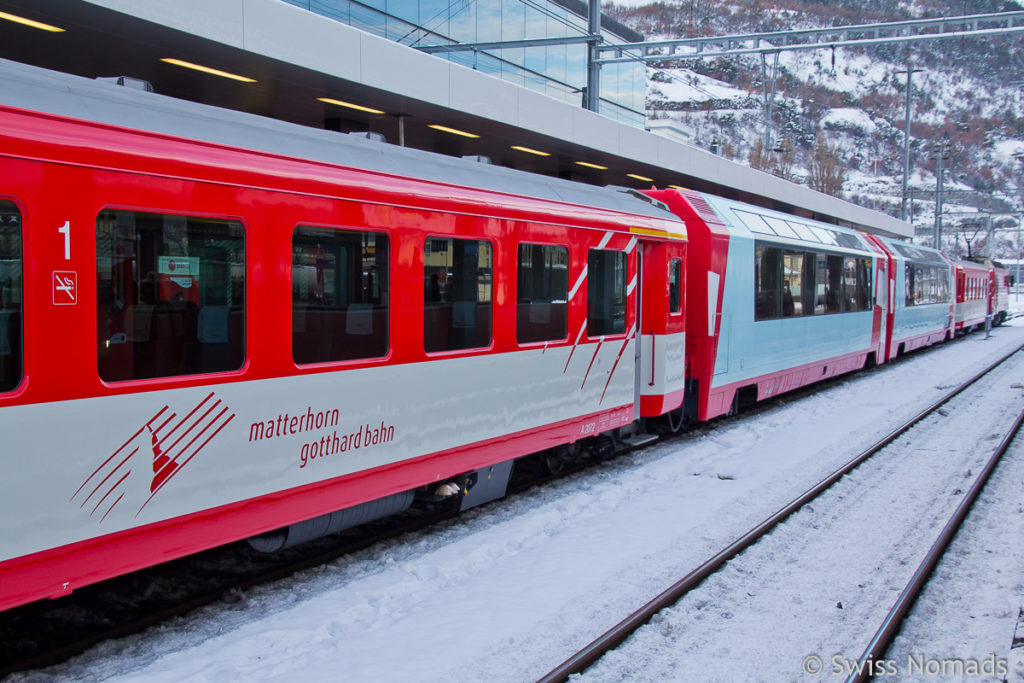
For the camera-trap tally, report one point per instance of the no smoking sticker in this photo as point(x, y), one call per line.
point(65, 288)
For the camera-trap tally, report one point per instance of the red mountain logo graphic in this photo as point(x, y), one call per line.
point(172, 442)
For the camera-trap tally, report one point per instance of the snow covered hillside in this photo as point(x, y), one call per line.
point(853, 101)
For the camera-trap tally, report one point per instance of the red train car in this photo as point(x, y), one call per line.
point(216, 325)
point(974, 295)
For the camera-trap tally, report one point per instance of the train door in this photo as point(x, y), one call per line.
point(660, 348)
point(637, 346)
point(882, 307)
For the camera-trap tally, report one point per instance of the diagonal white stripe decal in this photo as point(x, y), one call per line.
point(579, 283)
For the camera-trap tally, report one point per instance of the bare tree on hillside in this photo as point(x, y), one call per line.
point(825, 172)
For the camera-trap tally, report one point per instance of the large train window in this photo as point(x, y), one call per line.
point(10, 296)
point(542, 293)
point(789, 283)
point(926, 284)
point(170, 295)
point(456, 294)
point(339, 295)
point(606, 293)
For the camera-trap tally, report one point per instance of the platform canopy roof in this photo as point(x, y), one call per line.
point(295, 57)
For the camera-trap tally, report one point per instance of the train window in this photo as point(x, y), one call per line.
point(781, 227)
point(797, 284)
point(754, 222)
point(927, 284)
point(834, 296)
point(767, 284)
point(456, 294)
point(339, 295)
point(863, 297)
point(675, 285)
point(606, 293)
point(803, 231)
point(170, 295)
point(542, 293)
point(10, 296)
point(824, 235)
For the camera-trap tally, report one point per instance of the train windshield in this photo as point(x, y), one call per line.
point(10, 296)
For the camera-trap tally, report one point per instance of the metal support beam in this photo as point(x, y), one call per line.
point(813, 39)
point(502, 44)
point(592, 96)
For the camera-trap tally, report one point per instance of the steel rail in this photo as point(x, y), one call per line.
point(876, 649)
point(614, 636)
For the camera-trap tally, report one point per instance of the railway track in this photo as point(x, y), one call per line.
point(869, 666)
point(615, 636)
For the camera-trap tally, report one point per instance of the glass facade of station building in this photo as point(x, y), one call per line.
point(558, 71)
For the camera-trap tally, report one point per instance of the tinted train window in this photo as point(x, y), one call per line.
point(10, 296)
point(170, 295)
point(798, 283)
point(675, 286)
point(456, 294)
point(339, 295)
point(767, 295)
point(606, 293)
point(542, 293)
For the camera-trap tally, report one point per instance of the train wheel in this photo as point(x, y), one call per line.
point(554, 460)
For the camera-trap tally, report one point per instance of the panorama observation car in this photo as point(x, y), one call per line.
point(776, 302)
point(215, 326)
point(920, 310)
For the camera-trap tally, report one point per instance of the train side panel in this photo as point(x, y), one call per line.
point(775, 329)
point(973, 295)
point(162, 409)
point(922, 301)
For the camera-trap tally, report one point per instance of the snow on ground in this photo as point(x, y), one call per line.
point(813, 592)
point(687, 86)
point(975, 595)
point(509, 590)
point(848, 118)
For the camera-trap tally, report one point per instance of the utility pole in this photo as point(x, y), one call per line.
point(1016, 283)
point(906, 141)
point(769, 96)
point(941, 155)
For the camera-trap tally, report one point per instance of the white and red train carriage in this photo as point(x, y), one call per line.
point(974, 295)
point(217, 325)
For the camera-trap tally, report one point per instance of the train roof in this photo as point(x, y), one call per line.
point(787, 228)
point(42, 90)
point(914, 252)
